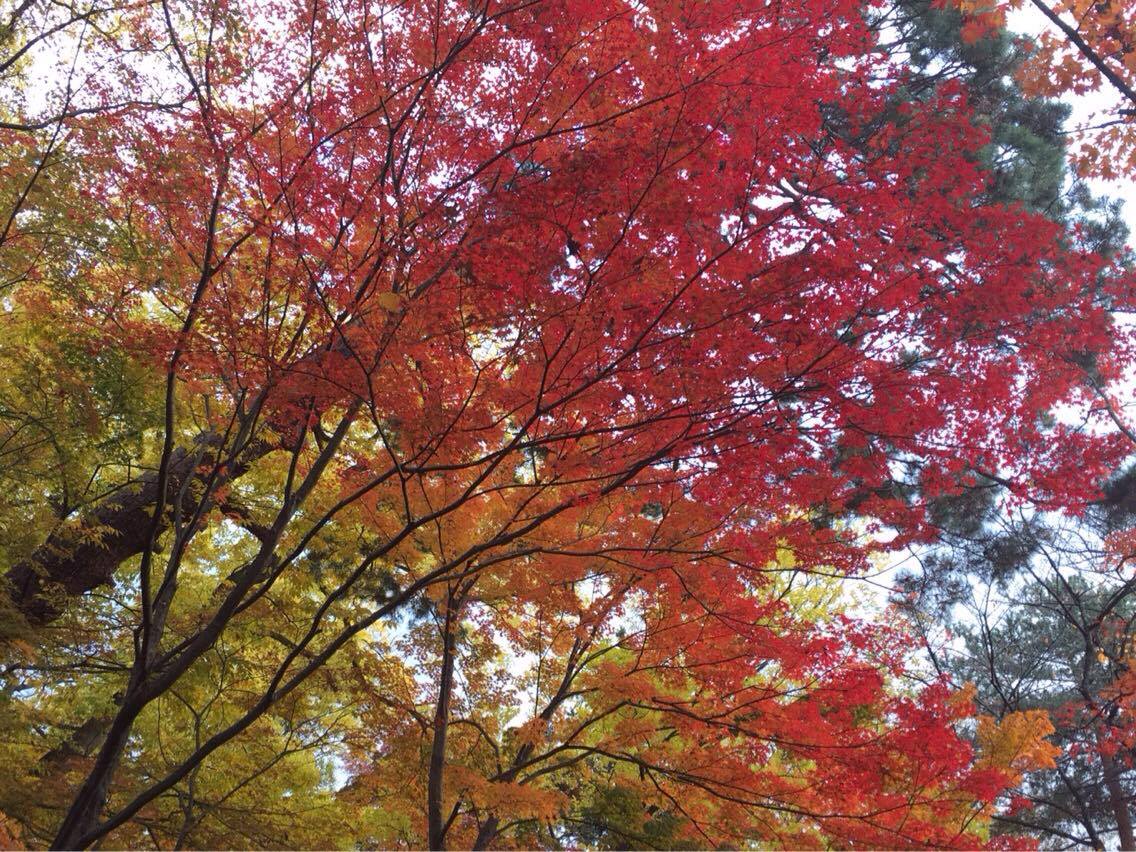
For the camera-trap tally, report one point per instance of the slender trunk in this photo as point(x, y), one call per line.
point(488, 830)
point(1119, 802)
point(147, 683)
point(434, 825)
point(86, 809)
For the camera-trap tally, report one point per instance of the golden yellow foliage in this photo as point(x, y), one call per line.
point(1017, 743)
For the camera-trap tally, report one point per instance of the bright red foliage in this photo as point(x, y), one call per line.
point(679, 231)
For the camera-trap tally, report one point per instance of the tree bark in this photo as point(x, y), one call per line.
point(72, 563)
point(486, 833)
point(1119, 802)
point(434, 825)
point(68, 565)
point(86, 809)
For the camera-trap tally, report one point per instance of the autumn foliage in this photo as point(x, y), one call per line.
point(1086, 49)
point(448, 423)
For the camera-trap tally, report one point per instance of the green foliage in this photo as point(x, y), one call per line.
point(615, 817)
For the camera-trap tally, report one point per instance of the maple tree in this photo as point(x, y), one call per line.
point(703, 713)
point(1087, 49)
point(1090, 48)
point(419, 317)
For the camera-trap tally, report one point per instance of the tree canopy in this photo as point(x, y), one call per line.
point(455, 424)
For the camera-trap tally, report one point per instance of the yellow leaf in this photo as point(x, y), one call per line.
point(389, 301)
point(1017, 744)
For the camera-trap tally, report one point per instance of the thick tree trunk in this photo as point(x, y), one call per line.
point(71, 563)
point(434, 825)
point(1119, 802)
point(68, 565)
point(486, 833)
